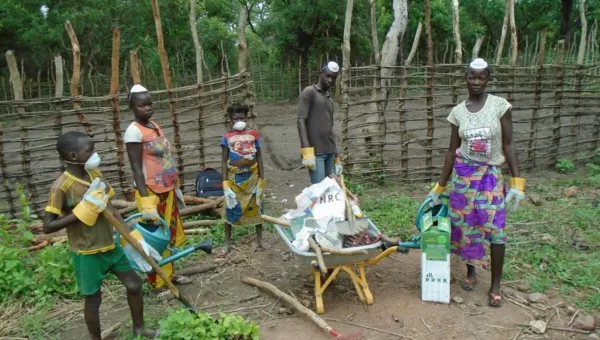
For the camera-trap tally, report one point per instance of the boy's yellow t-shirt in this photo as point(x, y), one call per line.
point(66, 192)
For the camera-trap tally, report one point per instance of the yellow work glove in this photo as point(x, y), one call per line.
point(516, 192)
point(93, 203)
point(148, 207)
point(338, 166)
point(435, 193)
point(308, 158)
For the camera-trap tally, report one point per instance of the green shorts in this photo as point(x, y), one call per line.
point(90, 270)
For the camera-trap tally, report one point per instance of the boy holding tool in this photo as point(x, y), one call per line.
point(77, 199)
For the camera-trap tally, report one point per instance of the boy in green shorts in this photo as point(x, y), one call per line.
point(77, 198)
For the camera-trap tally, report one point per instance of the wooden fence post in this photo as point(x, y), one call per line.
point(536, 102)
point(558, 93)
point(76, 78)
point(164, 61)
point(16, 81)
point(498, 59)
point(345, 84)
point(135, 68)
point(114, 94)
point(430, 81)
point(58, 94)
point(5, 183)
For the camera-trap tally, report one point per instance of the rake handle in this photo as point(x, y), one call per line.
point(134, 243)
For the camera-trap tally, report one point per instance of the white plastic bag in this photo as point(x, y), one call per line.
point(301, 239)
point(331, 204)
point(327, 235)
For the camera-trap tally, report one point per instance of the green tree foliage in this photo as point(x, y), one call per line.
point(278, 30)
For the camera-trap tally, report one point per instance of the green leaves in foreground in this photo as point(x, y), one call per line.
point(181, 324)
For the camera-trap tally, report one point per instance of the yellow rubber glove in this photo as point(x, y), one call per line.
point(136, 256)
point(135, 234)
point(147, 206)
point(436, 192)
point(338, 166)
point(93, 203)
point(308, 157)
point(516, 192)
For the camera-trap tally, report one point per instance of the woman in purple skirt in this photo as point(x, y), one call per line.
point(481, 141)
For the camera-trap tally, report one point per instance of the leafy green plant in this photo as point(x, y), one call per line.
point(181, 324)
point(565, 166)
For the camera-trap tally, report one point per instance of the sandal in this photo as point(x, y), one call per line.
point(469, 285)
point(182, 280)
point(495, 300)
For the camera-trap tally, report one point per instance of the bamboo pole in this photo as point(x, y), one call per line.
point(498, 59)
point(430, 80)
point(536, 101)
point(558, 94)
point(345, 84)
point(135, 68)
point(581, 55)
point(164, 61)
point(402, 100)
point(58, 93)
point(76, 78)
point(114, 94)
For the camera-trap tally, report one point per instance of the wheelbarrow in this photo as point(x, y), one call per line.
point(354, 265)
point(158, 237)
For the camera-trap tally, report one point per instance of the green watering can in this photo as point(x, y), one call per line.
point(158, 237)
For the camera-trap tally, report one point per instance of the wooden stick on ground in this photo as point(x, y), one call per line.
point(312, 316)
point(202, 207)
point(370, 328)
point(274, 220)
point(196, 270)
point(201, 223)
point(195, 231)
point(313, 244)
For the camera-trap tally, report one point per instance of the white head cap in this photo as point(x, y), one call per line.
point(478, 64)
point(332, 66)
point(137, 88)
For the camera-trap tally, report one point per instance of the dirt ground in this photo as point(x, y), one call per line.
point(394, 282)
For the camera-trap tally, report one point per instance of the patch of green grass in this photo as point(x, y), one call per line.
point(393, 214)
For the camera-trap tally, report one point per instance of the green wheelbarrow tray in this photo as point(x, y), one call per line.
point(158, 237)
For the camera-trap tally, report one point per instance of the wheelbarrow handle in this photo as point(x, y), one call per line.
point(134, 243)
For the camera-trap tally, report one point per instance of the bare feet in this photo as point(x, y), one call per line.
point(145, 333)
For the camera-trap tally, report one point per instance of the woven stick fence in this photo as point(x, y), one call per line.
point(192, 116)
point(556, 114)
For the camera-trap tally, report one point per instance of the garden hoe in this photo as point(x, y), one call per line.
point(121, 229)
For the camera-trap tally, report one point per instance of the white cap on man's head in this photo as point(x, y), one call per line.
point(331, 66)
point(478, 64)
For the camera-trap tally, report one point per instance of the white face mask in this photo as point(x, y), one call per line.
point(239, 126)
point(93, 162)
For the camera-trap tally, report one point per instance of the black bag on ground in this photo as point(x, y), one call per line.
point(209, 182)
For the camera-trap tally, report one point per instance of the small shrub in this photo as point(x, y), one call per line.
point(182, 324)
point(565, 166)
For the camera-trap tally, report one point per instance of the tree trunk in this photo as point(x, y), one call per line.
point(498, 60)
point(374, 38)
point(197, 46)
point(565, 17)
point(477, 46)
point(243, 47)
point(389, 52)
point(582, 43)
point(456, 29)
point(15, 77)
point(346, 74)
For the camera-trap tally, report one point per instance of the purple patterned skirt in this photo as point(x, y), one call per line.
point(477, 210)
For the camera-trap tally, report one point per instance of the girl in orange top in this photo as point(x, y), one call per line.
point(155, 175)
